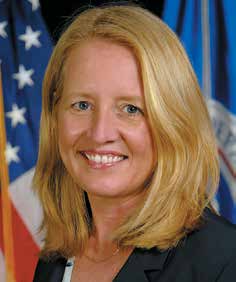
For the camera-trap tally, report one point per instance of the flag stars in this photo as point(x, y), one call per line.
point(23, 77)
point(16, 115)
point(2, 29)
point(11, 153)
point(31, 38)
point(35, 4)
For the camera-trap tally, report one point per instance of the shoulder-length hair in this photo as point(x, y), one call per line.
point(186, 173)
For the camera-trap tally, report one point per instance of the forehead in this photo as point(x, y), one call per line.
point(102, 47)
point(100, 63)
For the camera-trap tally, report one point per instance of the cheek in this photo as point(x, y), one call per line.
point(140, 141)
point(69, 130)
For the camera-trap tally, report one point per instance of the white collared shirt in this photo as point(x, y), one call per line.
point(68, 270)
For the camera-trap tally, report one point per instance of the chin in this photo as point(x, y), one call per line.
point(105, 191)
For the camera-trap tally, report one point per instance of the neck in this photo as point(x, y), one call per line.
point(108, 214)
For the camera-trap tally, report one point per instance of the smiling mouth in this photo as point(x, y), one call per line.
point(103, 159)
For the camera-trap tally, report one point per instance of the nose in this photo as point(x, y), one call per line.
point(104, 127)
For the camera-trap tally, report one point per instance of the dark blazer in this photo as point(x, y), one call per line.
point(206, 255)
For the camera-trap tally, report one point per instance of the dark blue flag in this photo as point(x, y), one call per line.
point(207, 30)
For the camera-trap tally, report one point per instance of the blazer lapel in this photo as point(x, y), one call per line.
point(57, 272)
point(139, 263)
point(50, 271)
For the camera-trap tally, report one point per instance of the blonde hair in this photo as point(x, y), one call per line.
point(186, 175)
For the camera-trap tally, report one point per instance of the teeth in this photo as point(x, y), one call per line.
point(98, 159)
point(88, 156)
point(115, 159)
point(104, 159)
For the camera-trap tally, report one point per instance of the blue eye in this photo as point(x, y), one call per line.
point(131, 109)
point(82, 105)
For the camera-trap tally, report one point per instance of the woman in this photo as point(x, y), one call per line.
point(128, 160)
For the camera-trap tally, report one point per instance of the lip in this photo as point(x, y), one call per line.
point(103, 152)
point(95, 165)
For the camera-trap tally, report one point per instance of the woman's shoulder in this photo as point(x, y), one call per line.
point(210, 250)
point(207, 254)
point(214, 234)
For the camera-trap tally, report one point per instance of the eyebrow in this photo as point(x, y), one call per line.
point(131, 98)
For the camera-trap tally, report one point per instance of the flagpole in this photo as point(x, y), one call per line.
point(6, 202)
point(206, 52)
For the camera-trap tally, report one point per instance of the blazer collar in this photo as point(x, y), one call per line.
point(140, 261)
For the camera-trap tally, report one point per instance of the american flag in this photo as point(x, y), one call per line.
point(25, 47)
point(207, 30)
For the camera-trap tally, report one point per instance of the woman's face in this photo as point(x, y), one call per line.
point(103, 134)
